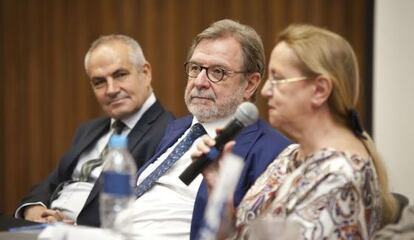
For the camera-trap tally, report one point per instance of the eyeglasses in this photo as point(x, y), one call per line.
point(214, 73)
point(274, 82)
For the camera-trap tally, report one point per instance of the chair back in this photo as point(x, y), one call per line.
point(402, 201)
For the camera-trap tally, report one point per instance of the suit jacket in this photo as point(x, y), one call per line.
point(142, 143)
point(258, 144)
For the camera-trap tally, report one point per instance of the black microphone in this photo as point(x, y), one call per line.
point(245, 115)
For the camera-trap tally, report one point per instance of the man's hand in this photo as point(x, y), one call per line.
point(34, 213)
point(203, 147)
point(39, 213)
point(53, 215)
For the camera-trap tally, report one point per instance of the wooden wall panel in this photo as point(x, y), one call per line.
point(45, 92)
point(2, 165)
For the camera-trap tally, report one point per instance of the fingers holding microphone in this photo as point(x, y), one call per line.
point(246, 114)
point(203, 147)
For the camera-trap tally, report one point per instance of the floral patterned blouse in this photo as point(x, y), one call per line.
point(330, 195)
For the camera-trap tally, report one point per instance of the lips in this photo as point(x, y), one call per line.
point(269, 107)
point(198, 98)
point(116, 101)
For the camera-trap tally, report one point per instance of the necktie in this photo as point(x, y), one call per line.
point(195, 132)
point(88, 166)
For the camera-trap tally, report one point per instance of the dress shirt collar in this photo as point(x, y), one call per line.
point(134, 118)
point(211, 127)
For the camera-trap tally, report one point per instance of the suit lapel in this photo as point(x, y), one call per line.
point(174, 131)
point(143, 125)
point(90, 137)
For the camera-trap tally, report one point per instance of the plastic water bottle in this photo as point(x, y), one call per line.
point(119, 177)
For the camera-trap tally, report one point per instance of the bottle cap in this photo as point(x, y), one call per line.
point(118, 141)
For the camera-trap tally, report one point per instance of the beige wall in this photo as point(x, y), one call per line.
point(393, 116)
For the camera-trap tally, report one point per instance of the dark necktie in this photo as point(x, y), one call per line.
point(195, 132)
point(90, 165)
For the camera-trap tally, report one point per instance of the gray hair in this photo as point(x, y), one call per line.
point(136, 55)
point(250, 42)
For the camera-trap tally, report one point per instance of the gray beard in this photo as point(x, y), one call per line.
point(209, 114)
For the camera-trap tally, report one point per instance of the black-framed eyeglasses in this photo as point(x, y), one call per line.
point(214, 73)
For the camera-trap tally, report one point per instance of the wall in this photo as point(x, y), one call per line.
point(393, 90)
point(45, 94)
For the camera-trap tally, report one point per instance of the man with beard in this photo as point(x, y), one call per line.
point(224, 66)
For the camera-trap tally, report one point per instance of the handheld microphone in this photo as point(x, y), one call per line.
point(245, 115)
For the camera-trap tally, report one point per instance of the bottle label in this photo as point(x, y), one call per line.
point(116, 183)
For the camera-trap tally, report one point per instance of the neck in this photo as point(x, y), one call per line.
point(322, 131)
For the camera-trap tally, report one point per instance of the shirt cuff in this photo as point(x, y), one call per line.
point(19, 211)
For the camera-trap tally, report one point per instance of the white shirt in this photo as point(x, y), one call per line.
point(73, 196)
point(165, 210)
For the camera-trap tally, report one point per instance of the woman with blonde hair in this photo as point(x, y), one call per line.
point(332, 183)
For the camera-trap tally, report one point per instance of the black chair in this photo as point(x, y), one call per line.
point(402, 203)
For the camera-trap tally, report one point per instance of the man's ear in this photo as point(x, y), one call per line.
point(147, 71)
point(253, 81)
point(322, 89)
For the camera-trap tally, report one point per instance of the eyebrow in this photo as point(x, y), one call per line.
point(210, 65)
point(276, 73)
point(119, 70)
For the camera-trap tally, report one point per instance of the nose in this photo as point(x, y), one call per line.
point(112, 87)
point(267, 90)
point(202, 81)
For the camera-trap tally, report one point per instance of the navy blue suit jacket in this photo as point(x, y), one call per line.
point(142, 143)
point(258, 145)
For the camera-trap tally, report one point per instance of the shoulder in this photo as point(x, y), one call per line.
point(179, 123)
point(259, 144)
point(269, 134)
point(336, 170)
point(156, 114)
point(289, 150)
point(349, 165)
point(158, 108)
point(265, 139)
point(175, 127)
point(328, 174)
point(90, 124)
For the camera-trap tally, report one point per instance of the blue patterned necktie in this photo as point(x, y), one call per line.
point(195, 132)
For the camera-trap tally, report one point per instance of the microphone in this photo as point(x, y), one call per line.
point(245, 115)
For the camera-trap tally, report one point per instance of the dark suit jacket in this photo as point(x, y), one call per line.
point(142, 143)
point(258, 145)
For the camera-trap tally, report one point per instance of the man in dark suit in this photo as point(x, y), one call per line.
point(225, 66)
point(121, 81)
